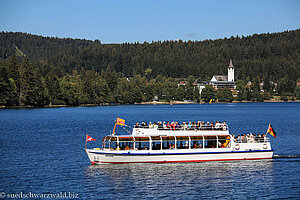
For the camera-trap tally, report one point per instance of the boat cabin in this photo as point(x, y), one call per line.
point(161, 142)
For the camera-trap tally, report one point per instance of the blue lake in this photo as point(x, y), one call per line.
point(41, 151)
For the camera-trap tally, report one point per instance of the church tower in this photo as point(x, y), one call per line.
point(230, 72)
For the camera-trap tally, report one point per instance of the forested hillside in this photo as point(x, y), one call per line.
point(38, 70)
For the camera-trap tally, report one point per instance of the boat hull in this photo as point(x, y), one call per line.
point(108, 157)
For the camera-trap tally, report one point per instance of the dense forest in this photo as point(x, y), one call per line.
point(36, 70)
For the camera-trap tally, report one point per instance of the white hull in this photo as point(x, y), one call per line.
point(159, 156)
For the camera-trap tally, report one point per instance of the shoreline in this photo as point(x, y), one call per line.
point(142, 103)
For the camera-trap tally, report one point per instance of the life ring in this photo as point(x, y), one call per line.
point(265, 146)
point(237, 147)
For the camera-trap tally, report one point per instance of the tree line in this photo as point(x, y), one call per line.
point(38, 71)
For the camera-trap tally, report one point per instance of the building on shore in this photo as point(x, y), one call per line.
point(219, 81)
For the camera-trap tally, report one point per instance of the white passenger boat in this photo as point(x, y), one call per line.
point(181, 144)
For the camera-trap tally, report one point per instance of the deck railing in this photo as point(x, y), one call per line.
point(183, 128)
point(253, 140)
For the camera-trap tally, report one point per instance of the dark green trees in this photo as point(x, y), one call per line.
point(208, 94)
point(225, 95)
point(8, 89)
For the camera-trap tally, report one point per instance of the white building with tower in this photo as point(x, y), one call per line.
point(220, 81)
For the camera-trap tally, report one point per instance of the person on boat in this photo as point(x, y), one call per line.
point(224, 126)
point(164, 126)
point(127, 148)
point(212, 125)
point(190, 126)
point(202, 126)
point(160, 126)
point(251, 138)
point(177, 126)
point(172, 146)
point(155, 125)
point(173, 126)
point(195, 146)
point(244, 138)
point(238, 139)
point(193, 125)
point(208, 126)
point(186, 145)
point(136, 125)
point(150, 125)
point(263, 137)
point(184, 126)
point(168, 126)
point(218, 125)
point(198, 125)
point(145, 147)
point(255, 137)
point(248, 138)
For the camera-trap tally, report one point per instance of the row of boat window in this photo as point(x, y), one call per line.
point(158, 143)
point(200, 125)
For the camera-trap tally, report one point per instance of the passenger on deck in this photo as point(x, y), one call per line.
point(136, 125)
point(263, 138)
point(202, 127)
point(168, 126)
point(194, 125)
point(218, 125)
point(173, 126)
point(184, 126)
point(155, 125)
point(238, 140)
point(244, 139)
point(150, 125)
point(224, 126)
point(208, 126)
point(212, 125)
point(198, 125)
point(248, 138)
point(189, 126)
point(177, 127)
point(164, 125)
point(160, 126)
point(258, 137)
point(145, 147)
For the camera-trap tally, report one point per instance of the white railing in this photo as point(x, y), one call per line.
point(181, 128)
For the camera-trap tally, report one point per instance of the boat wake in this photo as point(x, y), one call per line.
point(286, 156)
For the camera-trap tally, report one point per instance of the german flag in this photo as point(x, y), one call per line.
point(271, 131)
point(120, 121)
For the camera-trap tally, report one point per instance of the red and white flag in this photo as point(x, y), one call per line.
point(89, 138)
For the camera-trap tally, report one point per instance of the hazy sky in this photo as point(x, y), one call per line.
point(118, 21)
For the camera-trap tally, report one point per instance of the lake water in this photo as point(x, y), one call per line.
point(41, 152)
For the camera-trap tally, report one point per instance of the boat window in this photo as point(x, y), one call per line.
point(224, 141)
point(156, 143)
point(210, 142)
point(106, 142)
point(168, 142)
point(142, 143)
point(182, 142)
point(196, 142)
point(126, 143)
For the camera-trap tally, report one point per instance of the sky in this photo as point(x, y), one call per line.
point(120, 21)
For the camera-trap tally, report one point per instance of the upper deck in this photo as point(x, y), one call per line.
point(182, 130)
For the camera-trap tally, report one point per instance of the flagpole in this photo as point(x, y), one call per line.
point(268, 130)
point(85, 142)
point(114, 128)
